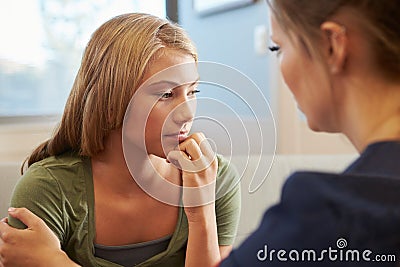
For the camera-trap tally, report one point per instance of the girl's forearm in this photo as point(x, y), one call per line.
point(202, 247)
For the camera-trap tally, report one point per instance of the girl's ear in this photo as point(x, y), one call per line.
point(336, 39)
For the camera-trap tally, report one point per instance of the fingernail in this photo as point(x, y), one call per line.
point(11, 209)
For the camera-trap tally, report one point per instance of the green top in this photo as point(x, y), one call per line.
point(60, 191)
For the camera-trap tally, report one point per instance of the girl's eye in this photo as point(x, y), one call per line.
point(166, 95)
point(193, 92)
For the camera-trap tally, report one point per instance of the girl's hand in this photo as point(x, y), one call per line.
point(34, 246)
point(198, 164)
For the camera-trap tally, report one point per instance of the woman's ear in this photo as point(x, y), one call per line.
point(336, 39)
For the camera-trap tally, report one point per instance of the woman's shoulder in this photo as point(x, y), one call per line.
point(375, 174)
point(329, 206)
point(347, 192)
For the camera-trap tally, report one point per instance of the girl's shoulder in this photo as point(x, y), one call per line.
point(64, 170)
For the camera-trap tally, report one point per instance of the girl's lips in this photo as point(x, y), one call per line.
point(180, 137)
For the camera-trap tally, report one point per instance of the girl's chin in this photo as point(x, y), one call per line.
point(155, 156)
point(160, 150)
point(162, 153)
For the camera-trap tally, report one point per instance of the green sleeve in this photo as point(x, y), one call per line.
point(39, 192)
point(228, 202)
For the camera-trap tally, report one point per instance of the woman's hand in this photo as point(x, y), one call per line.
point(34, 246)
point(198, 164)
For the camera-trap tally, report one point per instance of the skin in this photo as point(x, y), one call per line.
point(306, 79)
point(119, 198)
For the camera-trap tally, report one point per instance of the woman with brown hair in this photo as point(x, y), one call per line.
point(341, 61)
point(131, 106)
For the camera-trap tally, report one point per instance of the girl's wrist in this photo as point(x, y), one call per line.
point(203, 215)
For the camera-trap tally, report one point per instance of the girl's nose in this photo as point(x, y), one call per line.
point(184, 111)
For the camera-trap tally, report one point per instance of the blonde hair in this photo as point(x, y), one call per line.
point(379, 20)
point(112, 68)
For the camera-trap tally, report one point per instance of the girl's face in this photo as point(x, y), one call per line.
point(164, 106)
point(306, 78)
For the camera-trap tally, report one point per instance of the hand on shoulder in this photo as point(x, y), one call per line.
point(37, 243)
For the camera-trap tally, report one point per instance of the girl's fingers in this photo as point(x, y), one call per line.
point(191, 148)
point(26, 217)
